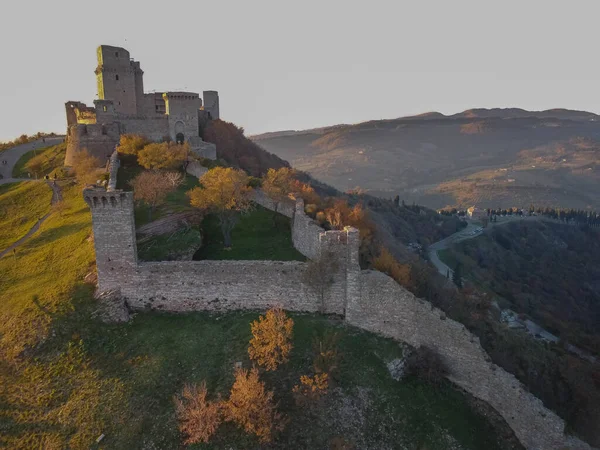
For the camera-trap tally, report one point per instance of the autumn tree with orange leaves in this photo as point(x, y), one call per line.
point(198, 418)
point(340, 215)
point(132, 144)
point(164, 155)
point(271, 341)
point(401, 273)
point(278, 184)
point(224, 192)
point(252, 407)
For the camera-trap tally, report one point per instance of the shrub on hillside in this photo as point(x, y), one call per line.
point(239, 151)
point(401, 273)
point(311, 389)
point(326, 353)
point(426, 364)
point(152, 188)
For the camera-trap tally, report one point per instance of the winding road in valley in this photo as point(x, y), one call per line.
point(471, 231)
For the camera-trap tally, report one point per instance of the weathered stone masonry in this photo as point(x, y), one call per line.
point(367, 299)
point(200, 285)
point(123, 107)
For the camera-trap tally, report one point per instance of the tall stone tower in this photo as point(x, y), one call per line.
point(114, 235)
point(211, 103)
point(119, 79)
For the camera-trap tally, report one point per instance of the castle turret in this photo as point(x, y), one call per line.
point(113, 224)
point(211, 103)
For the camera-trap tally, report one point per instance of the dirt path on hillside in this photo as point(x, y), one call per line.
point(56, 197)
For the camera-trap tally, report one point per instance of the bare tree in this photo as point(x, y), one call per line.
point(175, 178)
point(151, 188)
point(87, 168)
point(319, 274)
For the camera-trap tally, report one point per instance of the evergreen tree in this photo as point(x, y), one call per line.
point(457, 275)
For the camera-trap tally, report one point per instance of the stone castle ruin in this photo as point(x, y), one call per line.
point(366, 299)
point(123, 107)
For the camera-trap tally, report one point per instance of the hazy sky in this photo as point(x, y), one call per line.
point(292, 65)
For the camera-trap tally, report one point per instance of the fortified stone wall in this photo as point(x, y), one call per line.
point(98, 139)
point(202, 148)
point(368, 299)
point(286, 208)
point(386, 308)
point(113, 170)
point(219, 285)
point(153, 104)
point(306, 232)
point(152, 127)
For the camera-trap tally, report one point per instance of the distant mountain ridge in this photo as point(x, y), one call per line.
point(472, 157)
point(475, 113)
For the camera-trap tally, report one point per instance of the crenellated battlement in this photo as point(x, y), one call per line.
point(100, 198)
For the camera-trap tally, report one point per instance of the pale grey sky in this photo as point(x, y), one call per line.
point(293, 65)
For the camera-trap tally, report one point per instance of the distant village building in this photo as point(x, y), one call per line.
point(123, 107)
point(476, 213)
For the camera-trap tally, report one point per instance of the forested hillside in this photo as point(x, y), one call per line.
point(546, 270)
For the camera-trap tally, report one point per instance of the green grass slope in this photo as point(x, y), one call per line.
point(21, 205)
point(260, 234)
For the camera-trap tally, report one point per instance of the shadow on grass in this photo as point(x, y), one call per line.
point(47, 236)
point(259, 235)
